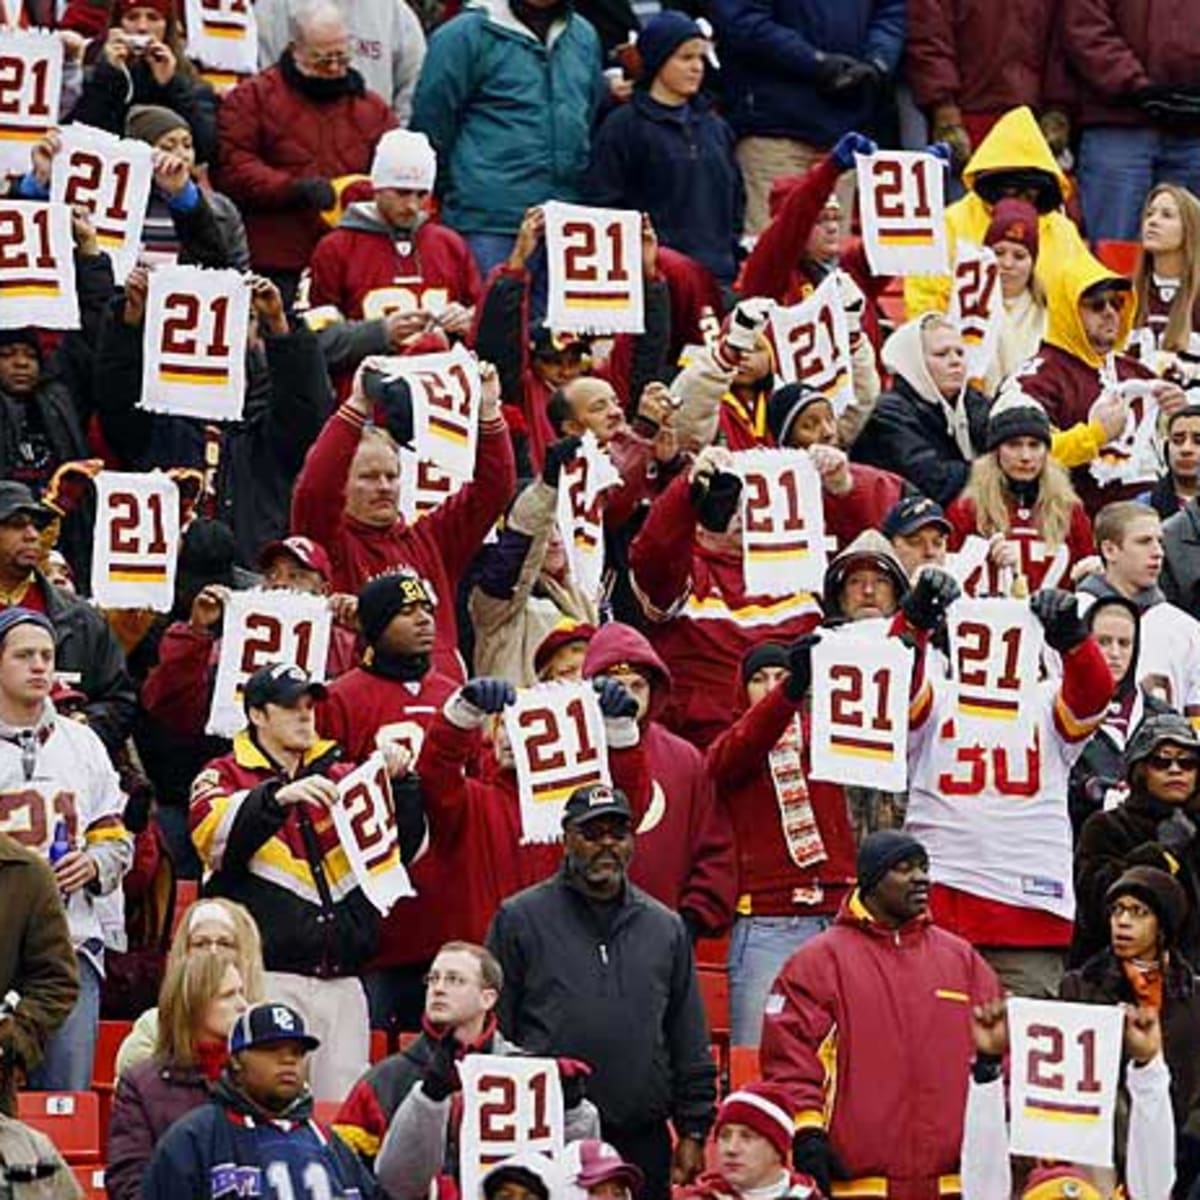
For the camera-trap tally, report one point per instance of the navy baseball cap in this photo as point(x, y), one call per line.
point(17, 500)
point(264, 1024)
point(595, 800)
point(913, 513)
point(280, 683)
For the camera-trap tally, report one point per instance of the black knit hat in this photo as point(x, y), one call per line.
point(1015, 415)
point(883, 850)
point(26, 336)
point(1159, 891)
point(765, 654)
point(382, 598)
point(786, 404)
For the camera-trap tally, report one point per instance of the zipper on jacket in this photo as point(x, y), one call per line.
point(603, 948)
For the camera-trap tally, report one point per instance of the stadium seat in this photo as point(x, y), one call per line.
point(714, 991)
point(712, 951)
point(71, 1120)
point(90, 1178)
point(743, 1066)
point(1121, 257)
point(187, 892)
point(379, 1045)
point(108, 1041)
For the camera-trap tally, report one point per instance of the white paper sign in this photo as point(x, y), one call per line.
point(1133, 456)
point(783, 522)
point(365, 821)
point(135, 541)
point(1066, 1059)
point(556, 732)
point(901, 195)
point(424, 485)
point(859, 731)
point(262, 628)
point(446, 395)
point(977, 304)
point(511, 1105)
point(31, 69)
point(37, 266)
point(194, 346)
point(111, 178)
point(995, 650)
point(582, 483)
point(812, 343)
point(223, 34)
point(594, 262)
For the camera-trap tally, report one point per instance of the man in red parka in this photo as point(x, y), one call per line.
point(348, 498)
point(287, 138)
point(685, 841)
point(881, 1004)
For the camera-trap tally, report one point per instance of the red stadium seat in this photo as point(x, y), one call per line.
point(743, 1066)
point(712, 951)
point(379, 1045)
point(90, 1178)
point(108, 1041)
point(71, 1120)
point(1119, 256)
point(187, 892)
point(714, 991)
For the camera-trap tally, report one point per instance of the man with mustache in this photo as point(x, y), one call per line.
point(880, 1004)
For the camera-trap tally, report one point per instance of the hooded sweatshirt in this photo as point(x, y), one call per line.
point(684, 850)
point(365, 268)
point(915, 431)
point(1068, 376)
point(1015, 141)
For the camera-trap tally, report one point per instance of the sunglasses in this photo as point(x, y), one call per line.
point(1164, 762)
point(1099, 304)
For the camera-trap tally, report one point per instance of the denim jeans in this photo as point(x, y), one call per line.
point(758, 949)
point(491, 249)
point(66, 1065)
point(1118, 166)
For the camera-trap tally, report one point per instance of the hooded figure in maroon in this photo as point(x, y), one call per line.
point(684, 843)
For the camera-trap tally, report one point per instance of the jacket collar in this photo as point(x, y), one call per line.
point(247, 753)
point(1104, 971)
point(854, 912)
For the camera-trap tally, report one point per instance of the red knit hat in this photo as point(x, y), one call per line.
point(1014, 220)
point(1059, 1181)
point(763, 1107)
point(164, 8)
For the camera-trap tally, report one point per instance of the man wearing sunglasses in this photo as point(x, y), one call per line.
point(1079, 367)
point(1155, 827)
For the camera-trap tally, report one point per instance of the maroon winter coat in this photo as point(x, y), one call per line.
point(1115, 47)
point(271, 136)
point(684, 848)
point(150, 1098)
point(945, 65)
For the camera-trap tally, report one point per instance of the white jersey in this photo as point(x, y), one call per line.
point(63, 773)
point(995, 823)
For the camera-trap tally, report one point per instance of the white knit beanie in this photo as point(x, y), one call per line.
point(404, 160)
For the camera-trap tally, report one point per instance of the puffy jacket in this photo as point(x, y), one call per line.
point(910, 432)
point(1117, 47)
point(318, 922)
point(509, 115)
point(869, 1028)
point(624, 998)
point(768, 55)
point(684, 856)
point(1181, 571)
point(273, 135)
point(676, 163)
point(150, 1098)
point(944, 65)
point(1014, 141)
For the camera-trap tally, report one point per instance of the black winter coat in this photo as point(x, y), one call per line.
point(908, 435)
point(624, 999)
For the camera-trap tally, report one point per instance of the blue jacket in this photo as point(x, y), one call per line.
point(768, 50)
point(509, 116)
point(223, 1149)
point(676, 164)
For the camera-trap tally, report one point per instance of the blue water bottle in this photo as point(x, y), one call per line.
point(61, 846)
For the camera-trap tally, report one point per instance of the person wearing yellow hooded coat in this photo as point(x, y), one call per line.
point(1090, 312)
point(1013, 160)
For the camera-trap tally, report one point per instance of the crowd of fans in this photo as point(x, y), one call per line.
point(380, 181)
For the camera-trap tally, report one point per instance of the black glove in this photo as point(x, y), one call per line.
point(1175, 833)
point(716, 500)
point(440, 1078)
point(811, 1155)
point(557, 456)
point(1168, 104)
point(1059, 614)
point(925, 605)
point(315, 193)
point(1153, 854)
point(488, 694)
point(831, 73)
point(862, 76)
point(615, 700)
point(799, 679)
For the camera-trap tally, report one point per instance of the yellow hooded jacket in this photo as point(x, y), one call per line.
point(1015, 141)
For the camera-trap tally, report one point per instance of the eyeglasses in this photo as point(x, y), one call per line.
point(1164, 762)
point(450, 979)
point(335, 58)
point(1099, 304)
point(1130, 908)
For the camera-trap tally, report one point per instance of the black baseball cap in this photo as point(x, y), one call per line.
point(280, 683)
point(595, 800)
point(913, 513)
point(16, 499)
point(262, 1024)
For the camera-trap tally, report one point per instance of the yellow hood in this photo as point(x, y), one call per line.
point(1015, 141)
point(1063, 326)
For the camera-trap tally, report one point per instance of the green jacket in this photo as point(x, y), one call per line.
point(510, 117)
